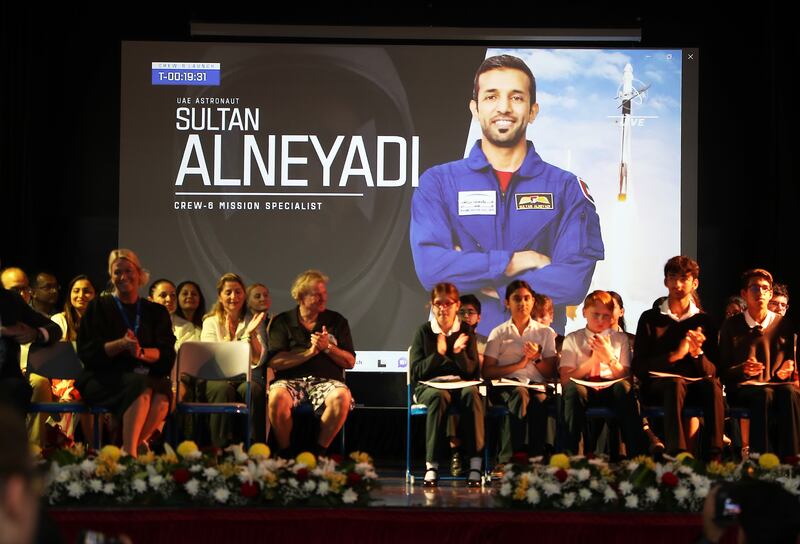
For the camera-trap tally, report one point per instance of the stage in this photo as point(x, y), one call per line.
point(399, 513)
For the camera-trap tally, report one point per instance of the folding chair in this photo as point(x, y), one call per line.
point(60, 362)
point(216, 361)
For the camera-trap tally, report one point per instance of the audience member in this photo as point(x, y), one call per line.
point(445, 346)
point(228, 322)
point(734, 305)
point(191, 303)
point(15, 279)
point(525, 350)
point(162, 291)
point(128, 349)
point(44, 295)
point(19, 483)
point(779, 303)
point(80, 292)
point(599, 353)
point(309, 349)
point(677, 338)
point(756, 348)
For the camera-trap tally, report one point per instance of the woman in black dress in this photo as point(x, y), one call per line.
point(127, 348)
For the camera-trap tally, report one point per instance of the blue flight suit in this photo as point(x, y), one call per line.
point(545, 209)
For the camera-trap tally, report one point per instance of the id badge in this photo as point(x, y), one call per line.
point(477, 203)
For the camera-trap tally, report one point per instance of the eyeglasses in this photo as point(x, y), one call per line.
point(467, 313)
point(778, 305)
point(759, 288)
point(443, 304)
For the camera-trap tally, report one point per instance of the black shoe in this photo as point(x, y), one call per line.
point(433, 481)
point(474, 478)
point(455, 464)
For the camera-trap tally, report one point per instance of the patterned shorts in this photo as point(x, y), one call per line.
point(310, 389)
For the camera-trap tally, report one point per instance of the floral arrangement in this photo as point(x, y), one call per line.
point(231, 477)
point(641, 484)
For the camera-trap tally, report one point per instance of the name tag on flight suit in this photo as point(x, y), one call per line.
point(477, 203)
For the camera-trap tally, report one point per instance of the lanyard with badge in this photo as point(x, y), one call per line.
point(135, 327)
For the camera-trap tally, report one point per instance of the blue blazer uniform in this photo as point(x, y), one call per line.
point(464, 231)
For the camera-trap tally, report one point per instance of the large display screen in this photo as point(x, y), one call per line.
point(270, 159)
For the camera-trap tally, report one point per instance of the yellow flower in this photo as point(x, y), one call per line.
point(336, 480)
point(227, 469)
point(360, 457)
point(270, 479)
point(147, 458)
point(307, 458)
point(645, 460)
point(720, 469)
point(683, 455)
point(559, 460)
point(522, 488)
point(36, 451)
point(259, 449)
point(111, 452)
point(769, 461)
point(187, 448)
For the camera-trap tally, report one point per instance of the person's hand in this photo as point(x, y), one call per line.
point(525, 260)
point(130, 343)
point(696, 339)
point(314, 348)
point(601, 346)
point(323, 339)
point(531, 351)
point(752, 367)
point(786, 370)
point(22, 333)
point(441, 344)
point(461, 343)
point(254, 323)
point(711, 530)
point(681, 351)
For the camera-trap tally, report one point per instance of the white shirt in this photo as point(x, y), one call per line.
point(575, 351)
point(215, 331)
point(438, 330)
point(506, 345)
point(764, 324)
point(692, 311)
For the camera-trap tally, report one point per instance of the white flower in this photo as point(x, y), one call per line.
point(597, 462)
point(792, 485)
point(582, 474)
point(156, 481)
point(568, 500)
point(609, 495)
point(701, 491)
point(632, 501)
point(323, 488)
point(75, 489)
point(681, 493)
point(505, 489)
point(551, 488)
point(95, 485)
point(309, 486)
point(139, 485)
point(633, 465)
point(292, 483)
point(192, 487)
point(626, 487)
point(585, 494)
point(108, 488)
point(533, 496)
point(349, 496)
point(594, 484)
point(239, 455)
point(221, 494)
point(195, 468)
point(62, 475)
point(652, 494)
point(210, 473)
point(88, 466)
point(683, 469)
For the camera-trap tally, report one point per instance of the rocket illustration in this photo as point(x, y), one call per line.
point(628, 95)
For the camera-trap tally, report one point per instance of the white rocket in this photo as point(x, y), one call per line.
point(628, 95)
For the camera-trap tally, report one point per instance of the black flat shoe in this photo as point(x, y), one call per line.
point(472, 481)
point(428, 482)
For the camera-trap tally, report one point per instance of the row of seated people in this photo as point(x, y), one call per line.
point(752, 354)
point(129, 348)
point(128, 345)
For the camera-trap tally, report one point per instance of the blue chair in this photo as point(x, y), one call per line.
point(216, 361)
point(60, 362)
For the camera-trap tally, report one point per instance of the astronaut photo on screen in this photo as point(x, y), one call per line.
point(502, 213)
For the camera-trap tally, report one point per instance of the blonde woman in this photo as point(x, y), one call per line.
point(128, 349)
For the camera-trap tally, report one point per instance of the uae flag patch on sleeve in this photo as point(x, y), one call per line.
point(585, 190)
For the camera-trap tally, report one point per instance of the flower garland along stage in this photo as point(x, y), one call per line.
point(679, 485)
point(188, 476)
